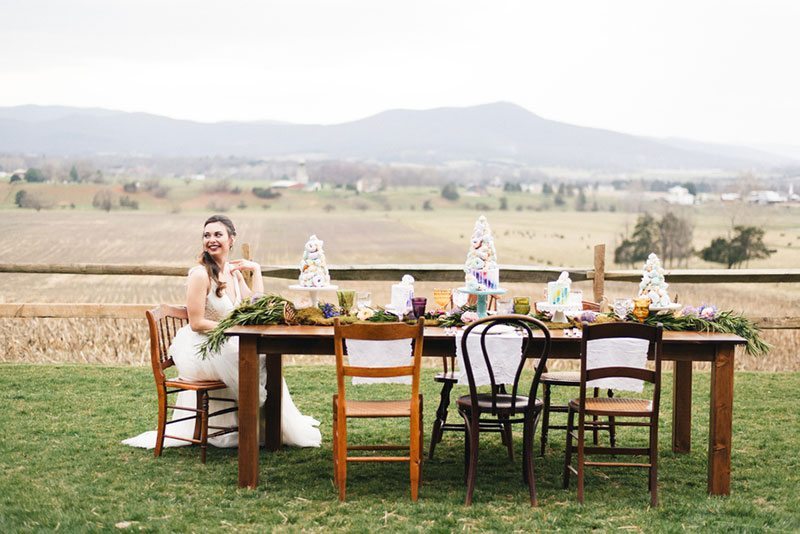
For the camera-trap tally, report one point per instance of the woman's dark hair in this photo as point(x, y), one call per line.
point(205, 258)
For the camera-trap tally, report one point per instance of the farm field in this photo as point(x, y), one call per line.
point(351, 237)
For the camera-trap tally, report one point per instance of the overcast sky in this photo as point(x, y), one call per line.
point(722, 71)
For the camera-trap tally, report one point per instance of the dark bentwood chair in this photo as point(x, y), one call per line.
point(407, 408)
point(497, 407)
point(163, 322)
point(635, 408)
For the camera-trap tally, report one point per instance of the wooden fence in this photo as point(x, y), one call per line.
point(428, 273)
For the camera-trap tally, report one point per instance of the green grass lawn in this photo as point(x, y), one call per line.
point(63, 468)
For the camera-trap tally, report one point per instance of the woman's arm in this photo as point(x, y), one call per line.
point(237, 266)
point(196, 291)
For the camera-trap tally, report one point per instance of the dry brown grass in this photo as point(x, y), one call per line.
point(95, 237)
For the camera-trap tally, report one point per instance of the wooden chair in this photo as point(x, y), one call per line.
point(570, 379)
point(616, 407)
point(164, 321)
point(496, 406)
point(410, 408)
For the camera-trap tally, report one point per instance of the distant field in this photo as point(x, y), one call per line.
point(351, 236)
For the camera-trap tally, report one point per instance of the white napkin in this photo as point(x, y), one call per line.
point(505, 351)
point(617, 352)
point(371, 353)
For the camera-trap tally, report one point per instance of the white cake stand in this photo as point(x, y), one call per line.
point(313, 292)
point(558, 310)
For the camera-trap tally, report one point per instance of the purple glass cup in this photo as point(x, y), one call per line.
point(418, 306)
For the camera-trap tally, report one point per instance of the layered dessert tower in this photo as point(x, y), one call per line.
point(313, 267)
point(653, 284)
point(481, 271)
point(558, 291)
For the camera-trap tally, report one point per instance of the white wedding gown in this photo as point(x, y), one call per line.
point(296, 429)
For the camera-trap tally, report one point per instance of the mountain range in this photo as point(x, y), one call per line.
point(498, 132)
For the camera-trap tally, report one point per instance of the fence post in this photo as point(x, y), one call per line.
point(598, 281)
point(248, 275)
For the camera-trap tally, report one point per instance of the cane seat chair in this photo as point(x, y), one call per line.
point(497, 407)
point(409, 408)
point(552, 379)
point(643, 411)
point(163, 323)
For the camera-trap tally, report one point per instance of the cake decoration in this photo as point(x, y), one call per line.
point(653, 284)
point(313, 267)
point(480, 268)
point(558, 291)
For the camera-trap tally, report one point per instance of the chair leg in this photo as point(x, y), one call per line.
point(595, 419)
point(508, 439)
point(204, 424)
point(441, 417)
point(568, 448)
point(415, 456)
point(581, 444)
point(653, 463)
point(162, 425)
point(545, 417)
point(612, 429)
point(474, 429)
point(341, 460)
point(335, 439)
point(198, 419)
point(527, 459)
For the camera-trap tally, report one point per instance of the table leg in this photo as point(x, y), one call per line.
point(721, 422)
point(272, 441)
point(682, 407)
point(248, 412)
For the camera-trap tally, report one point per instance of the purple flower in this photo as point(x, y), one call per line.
point(328, 310)
point(588, 316)
point(689, 311)
point(707, 312)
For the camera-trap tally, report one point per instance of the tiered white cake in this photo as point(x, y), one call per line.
point(313, 267)
point(402, 294)
point(653, 284)
point(558, 291)
point(481, 269)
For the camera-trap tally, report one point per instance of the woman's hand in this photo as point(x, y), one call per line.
point(244, 265)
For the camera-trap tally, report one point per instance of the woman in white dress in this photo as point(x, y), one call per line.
point(214, 288)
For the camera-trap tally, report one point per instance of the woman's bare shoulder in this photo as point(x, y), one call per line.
point(198, 274)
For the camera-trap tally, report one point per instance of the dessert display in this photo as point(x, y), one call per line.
point(313, 267)
point(481, 271)
point(653, 285)
point(402, 293)
point(558, 292)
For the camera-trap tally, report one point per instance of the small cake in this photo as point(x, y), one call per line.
point(481, 271)
point(653, 284)
point(558, 291)
point(402, 294)
point(313, 267)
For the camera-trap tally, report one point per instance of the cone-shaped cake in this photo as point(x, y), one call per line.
point(313, 267)
point(481, 269)
point(653, 284)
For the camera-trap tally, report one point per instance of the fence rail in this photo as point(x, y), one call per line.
point(428, 272)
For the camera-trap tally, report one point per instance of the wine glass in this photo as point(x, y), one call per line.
point(363, 300)
point(442, 298)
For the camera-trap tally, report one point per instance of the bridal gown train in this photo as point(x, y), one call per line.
point(296, 429)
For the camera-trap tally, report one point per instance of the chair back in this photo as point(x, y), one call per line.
point(525, 325)
point(621, 331)
point(164, 322)
point(378, 332)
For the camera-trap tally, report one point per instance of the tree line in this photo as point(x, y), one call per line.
point(671, 239)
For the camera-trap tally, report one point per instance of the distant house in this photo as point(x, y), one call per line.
point(287, 184)
point(680, 196)
point(531, 188)
point(368, 185)
point(766, 197)
point(301, 181)
point(730, 197)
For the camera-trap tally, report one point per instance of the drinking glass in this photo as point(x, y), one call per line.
point(363, 300)
point(622, 307)
point(505, 306)
point(442, 298)
point(460, 299)
point(522, 305)
point(641, 308)
point(418, 306)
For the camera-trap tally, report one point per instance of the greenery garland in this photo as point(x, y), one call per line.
point(725, 322)
point(269, 309)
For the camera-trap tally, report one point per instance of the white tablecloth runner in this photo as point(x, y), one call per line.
point(370, 353)
point(505, 351)
point(617, 352)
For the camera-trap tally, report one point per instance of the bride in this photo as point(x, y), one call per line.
point(214, 288)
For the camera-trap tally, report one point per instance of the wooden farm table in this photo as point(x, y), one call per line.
point(681, 347)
